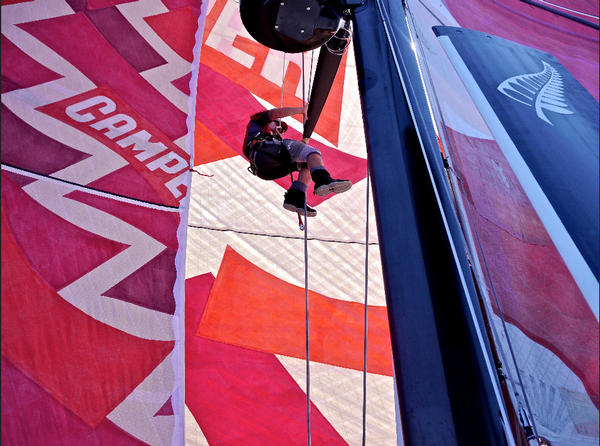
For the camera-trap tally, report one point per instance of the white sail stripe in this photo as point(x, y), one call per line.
point(528, 90)
point(337, 392)
point(127, 317)
point(507, 88)
point(578, 267)
point(159, 77)
point(569, 9)
point(186, 428)
point(136, 413)
point(193, 433)
point(555, 104)
point(535, 83)
point(524, 85)
point(555, 97)
point(518, 100)
point(556, 108)
point(86, 292)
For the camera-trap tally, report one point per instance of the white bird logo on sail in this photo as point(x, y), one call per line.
point(544, 89)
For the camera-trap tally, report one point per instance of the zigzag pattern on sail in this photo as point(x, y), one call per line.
point(544, 89)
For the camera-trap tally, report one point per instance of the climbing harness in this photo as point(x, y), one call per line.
point(268, 146)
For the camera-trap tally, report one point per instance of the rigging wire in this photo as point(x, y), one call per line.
point(364, 408)
point(570, 10)
point(306, 303)
point(468, 207)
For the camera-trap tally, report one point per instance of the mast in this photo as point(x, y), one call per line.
point(446, 383)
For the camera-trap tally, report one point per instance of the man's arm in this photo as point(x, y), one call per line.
point(278, 113)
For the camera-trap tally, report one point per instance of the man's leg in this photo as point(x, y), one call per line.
point(295, 197)
point(314, 160)
point(301, 152)
point(324, 184)
point(304, 176)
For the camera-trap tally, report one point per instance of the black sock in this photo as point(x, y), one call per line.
point(299, 185)
point(320, 176)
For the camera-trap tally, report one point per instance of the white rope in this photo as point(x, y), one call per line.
point(306, 289)
point(307, 328)
point(364, 409)
point(282, 80)
point(312, 56)
point(364, 414)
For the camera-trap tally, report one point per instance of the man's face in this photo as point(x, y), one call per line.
point(275, 127)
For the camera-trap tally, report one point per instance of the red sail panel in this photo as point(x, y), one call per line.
point(88, 366)
point(90, 216)
point(534, 287)
point(247, 395)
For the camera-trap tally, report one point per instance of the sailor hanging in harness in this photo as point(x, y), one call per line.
point(272, 157)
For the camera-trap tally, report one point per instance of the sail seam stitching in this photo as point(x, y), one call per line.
point(312, 239)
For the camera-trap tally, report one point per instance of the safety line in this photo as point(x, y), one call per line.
point(364, 414)
point(90, 190)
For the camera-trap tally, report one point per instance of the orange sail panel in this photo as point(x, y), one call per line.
point(252, 308)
